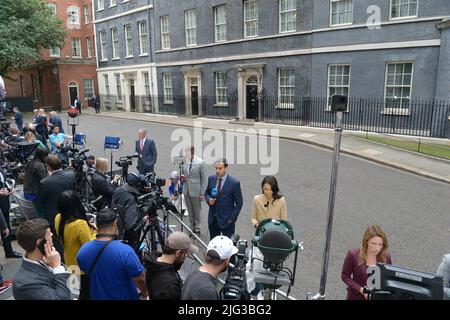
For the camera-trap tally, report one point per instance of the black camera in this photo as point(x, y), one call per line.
point(235, 287)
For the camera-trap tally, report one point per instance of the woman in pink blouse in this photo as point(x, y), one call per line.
point(374, 249)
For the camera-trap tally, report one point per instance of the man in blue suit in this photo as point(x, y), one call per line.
point(147, 149)
point(224, 197)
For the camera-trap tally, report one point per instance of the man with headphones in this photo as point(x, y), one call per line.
point(125, 201)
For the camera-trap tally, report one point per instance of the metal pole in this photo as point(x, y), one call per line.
point(331, 201)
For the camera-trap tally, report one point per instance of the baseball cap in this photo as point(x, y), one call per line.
point(106, 216)
point(180, 241)
point(223, 246)
point(133, 179)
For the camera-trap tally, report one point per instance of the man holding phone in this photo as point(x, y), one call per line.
point(41, 275)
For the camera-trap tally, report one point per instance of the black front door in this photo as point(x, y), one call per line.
point(73, 91)
point(252, 102)
point(132, 97)
point(194, 100)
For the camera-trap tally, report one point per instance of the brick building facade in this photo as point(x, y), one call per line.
point(62, 74)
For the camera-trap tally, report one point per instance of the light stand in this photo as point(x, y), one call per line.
point(180, 161)
point(113, 144)
point(338, 105)
point(73, 121)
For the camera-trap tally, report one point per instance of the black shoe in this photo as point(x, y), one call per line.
point(14, 254)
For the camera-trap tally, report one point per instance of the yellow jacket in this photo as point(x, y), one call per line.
point(76, 233)
point(263, 209)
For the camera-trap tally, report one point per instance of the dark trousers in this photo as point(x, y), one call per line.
point(215, 230)
point(97, 109)
point(4, 207)
point(19, 126)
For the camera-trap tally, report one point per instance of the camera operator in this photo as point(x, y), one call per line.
point(125, 200)
point(201, 284)
point(444, 272)
point(41, 275)
point(113, 268)
point(163, 281)
point(57, 139)
point(101, 186)
point(90, 162)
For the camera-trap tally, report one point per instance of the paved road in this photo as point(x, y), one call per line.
point(412, 210)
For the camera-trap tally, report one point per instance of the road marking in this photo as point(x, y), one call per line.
point(306, 135)
point(371, 152)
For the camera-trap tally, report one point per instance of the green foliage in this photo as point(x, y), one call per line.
point(26, 27)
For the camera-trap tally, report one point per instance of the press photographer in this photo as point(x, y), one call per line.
point(102, 184)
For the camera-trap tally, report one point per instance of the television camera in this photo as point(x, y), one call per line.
point(235, 287)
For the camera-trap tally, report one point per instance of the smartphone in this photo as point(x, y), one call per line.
point(41, 246)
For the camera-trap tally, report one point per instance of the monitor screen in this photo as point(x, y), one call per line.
point(112, 142)
point(408, 284)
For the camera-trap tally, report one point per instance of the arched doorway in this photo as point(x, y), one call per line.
point(73, 92)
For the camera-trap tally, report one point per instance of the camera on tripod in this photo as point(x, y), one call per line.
point(235, 287)
point(125, 162)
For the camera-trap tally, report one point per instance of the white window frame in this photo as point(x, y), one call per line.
point(118, 86)
point(103, 46)
point(53, 7)
point(128, 40)
point(165, 34)
point(219, 90)
point(107, 88)
point(112, 3)
point(115, 44)
point(73, 11)
point(102, 6)
point(91, 80)
point(125, 1)
point(331, 14)
point(74, 40)
point(401, 110)
point(405, 17)
point(218, 25)
point(190, 28)
point(168, 88)
point(255, 19)
point(87, 14)
point(51, 52)
point(143, 38)
point(280, 104)
point(341, 86)
point(146, 77)
point(284, 12)
point(89, 46)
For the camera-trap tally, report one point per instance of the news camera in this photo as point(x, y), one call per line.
point(235, 287)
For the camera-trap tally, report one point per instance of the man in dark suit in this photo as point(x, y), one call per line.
point(95, 100)
point(41, 125)
point(52, 186)
point(224, 197)
point(5, 192)
point(41, 275)
point(18, 117)
point(147, 149)
point(56, 121)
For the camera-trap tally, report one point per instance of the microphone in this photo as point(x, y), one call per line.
point(266, 205)
point(214, 193)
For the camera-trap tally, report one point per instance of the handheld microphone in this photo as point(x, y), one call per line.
point(214, 193)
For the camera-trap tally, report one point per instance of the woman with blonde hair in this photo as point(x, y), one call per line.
point(101, 185)
point(29, 136)
point(374, 249)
